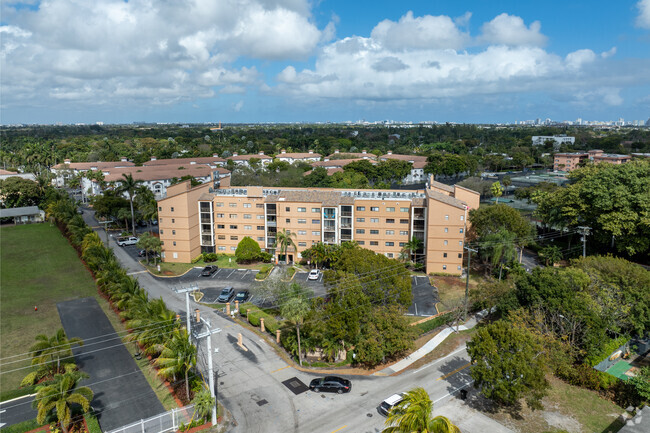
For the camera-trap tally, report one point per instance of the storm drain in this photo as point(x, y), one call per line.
point(295, 385)
point(262, 402)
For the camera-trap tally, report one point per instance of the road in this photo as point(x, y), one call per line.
point(250, 383)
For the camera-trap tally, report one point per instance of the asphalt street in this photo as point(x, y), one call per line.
point(15, 411)
point(250, 382)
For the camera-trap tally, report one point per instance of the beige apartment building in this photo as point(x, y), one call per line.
point(215, 217)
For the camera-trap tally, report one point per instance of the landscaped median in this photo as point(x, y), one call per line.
point(264, 272)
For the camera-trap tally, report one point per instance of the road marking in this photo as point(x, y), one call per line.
point(454, 391)
point(440, 359)
point(136, 272)
point(234, 270)
point(280, 369)
point(220, 269)
point(339, 429)
point(455, 371)
point(245, 272)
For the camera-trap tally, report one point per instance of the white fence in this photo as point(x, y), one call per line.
point(165, 422)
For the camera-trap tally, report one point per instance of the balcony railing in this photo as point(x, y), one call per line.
point(346, 213)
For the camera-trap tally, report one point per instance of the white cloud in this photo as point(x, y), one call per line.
point(116, 52)
point(608, 53)
point(577, 59)
point(418, 33)
point(238, 106)
point(643, 20)
point(511, 30)
point(604, 95)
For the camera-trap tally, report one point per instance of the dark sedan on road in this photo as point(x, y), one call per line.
point(209, 270)
point(242, 296)
point(331, 384)
point(226, 295)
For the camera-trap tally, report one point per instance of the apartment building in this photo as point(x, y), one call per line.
point(244, 160)
point(211, 218)
point(309, 156)
point(66, 170)
point(570, 161)
point(558, 140)
point(417, 172)
point(212, 161)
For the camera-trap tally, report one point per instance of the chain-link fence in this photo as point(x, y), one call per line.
point(165, 422)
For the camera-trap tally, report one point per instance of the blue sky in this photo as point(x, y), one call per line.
point(293, 60)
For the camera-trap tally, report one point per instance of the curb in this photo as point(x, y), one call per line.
point(17, 398)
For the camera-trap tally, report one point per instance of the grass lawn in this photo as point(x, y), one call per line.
point(224, 261)
point(37, 268)
point(452, 290)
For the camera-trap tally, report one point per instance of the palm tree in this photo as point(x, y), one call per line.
point(47, 349)
point(177, 356)
point(129, 186)
point(60, 395)
point(284, 241)
point(499, 248)
point(412, 247)
point(497, 190)
point(294, 310)
point(413, 414)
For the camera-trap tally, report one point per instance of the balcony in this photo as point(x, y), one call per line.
point(418, 226)
point(329, 225)
point(271, 222)
point(418, 216)
point(346, 225)
point(329, 238)
point(346, 213)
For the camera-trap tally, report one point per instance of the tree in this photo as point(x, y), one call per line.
point(248, 250)
point(487, 220)
point(508, 364)
point(413, 414)
point(60, 395)
point(177, 356)
point(150, 244)
point(641, 383)
point(496, 190)
point(551, 254)
point(318, 178)
point(284, 240)
point(19, 192)
point(48, 352)
point(129, 186)
point(294, 308)
point(412, 247)
point(203, 404)
point(498, 248)
point(506, 181)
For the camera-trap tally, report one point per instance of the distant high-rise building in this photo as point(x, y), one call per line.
point(579, 121)
point(647, 123)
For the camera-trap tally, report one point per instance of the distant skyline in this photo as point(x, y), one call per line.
point(111, 61)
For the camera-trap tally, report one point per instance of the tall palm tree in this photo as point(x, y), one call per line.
point(129, 186)
point(177, 356)
point(48, 349)
point(284, 240)
point(412, 247)
point(60, 395)
point(413, 414)
point(499, 248)
point(294, 310)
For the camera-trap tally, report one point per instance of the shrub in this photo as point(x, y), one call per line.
point(264, 272)
point(210, 257)
point(432, 324)
point(197, 259)
point(266, 257)
point(248, 250)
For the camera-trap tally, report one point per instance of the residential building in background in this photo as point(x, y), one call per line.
point(244, 160)
point(558, 140)
point(417, 172)
point(309, 156)
point(214, 218)
point(571, 161)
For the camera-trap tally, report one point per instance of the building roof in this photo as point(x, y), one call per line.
point(248, 157)
point(337, 162)
point(19, 211)
point(412, 158)
point(176, 161)
point(354, 154)
point(442, 186)
point(100, 165)
point(327, 198)
point(330, 171)
point(161, 172)
point(298, 155)
point(3, 172)
point(443, 198)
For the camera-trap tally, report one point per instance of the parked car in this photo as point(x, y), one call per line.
point(143, 253)
point(209, 270)
point(314, 274)
point(389, 403)
point(130, 240)
point(226, 295)
point(331, 384)
point(242, 296)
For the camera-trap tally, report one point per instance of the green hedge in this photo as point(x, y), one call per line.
point(264, 272)
point(270, 324)
point(93, 424)
point(434, 323)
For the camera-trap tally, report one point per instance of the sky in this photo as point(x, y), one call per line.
point(239, 61)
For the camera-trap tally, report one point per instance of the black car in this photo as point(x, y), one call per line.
point(242, 296)
point(209, 270)
point(331, 384)
point(143, 253)
point(226, 295)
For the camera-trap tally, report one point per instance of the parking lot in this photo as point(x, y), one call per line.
point(425, 297)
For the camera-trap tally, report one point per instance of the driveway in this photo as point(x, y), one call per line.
point(425, 297)
point(122, 394)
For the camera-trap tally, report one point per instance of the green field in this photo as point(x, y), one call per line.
point(38, 267)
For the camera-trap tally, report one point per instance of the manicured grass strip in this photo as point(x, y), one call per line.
point(38, 267)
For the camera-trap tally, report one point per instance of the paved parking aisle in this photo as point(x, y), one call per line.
point(425, 297)
point(122, 394)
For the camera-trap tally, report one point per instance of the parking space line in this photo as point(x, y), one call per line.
point(233, 271)
point(245, 273)
point(339, 429)
point(220, 269)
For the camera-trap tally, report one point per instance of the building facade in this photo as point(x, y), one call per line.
point(211, 218)
point(570, 161)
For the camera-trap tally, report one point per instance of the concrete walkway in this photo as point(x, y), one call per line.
point(427, 348)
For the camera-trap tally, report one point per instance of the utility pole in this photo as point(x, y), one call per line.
point(106, 223)
point(208, 335)
point(187, 291)
point(584, 231)
point(469, 258)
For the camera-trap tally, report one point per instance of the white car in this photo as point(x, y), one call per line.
point(389, 403)
point(132, 240)
point(314, 274)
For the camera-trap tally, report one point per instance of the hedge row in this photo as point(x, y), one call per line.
point(432, 324)
point(270, 323)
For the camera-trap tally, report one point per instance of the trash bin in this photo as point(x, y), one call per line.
point(463, 394)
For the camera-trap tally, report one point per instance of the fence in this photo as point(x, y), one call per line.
point(165, 422)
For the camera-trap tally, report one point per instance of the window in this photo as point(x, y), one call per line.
point(390, 244)
point(403, 232)
point(444, 267)
point(361, 220)
point(374, 209)
point(221, 226)
point(159, 208)
point(302, 232)
point(302, 221)
point(316, 233)
point(444, 255)
point(389, 255)
point(458, 267)
point(302, 244)
point(260, 238)
point(315, 221)
point(401, 244)
point(390, 232)
point(445, 243)
point(390, 209)
point(173, 232)
point(161, 231)
point(374, 243)
point(390, 221)
point(233, 227)
point(248, 216)
point(172, 209)
point(162, 243)
point(233, 248)
point(302, 209)
point(221, 248)
point(361, 208)
point(232, 216)
point(260, 227)
point(288, 220)
point(374, 232)
point(248, 227)
point(360, 231)
point(315, 209)
point(361, 242)
point(259, 205)
point(232, 204)
point(221, 237)
point(403, 221)
point(174, 243)
point(460, 243)
point(247, 205)
point(461, 230)
point(219, 204)
point(460, 255)
point(447, 217)
point(160, 220)
point(462, 217)
point(374, 220)
point(260, 217)
point(403, 209)
point(288, 209)
point(234, 238)
point(446, 229)
point(173, 220)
